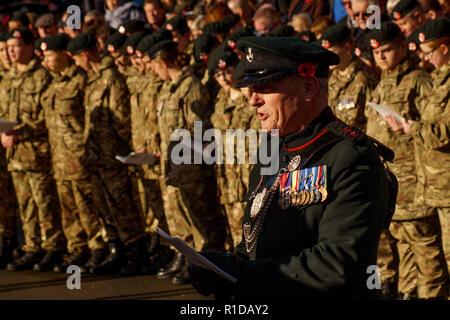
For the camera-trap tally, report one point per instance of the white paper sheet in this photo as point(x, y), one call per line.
point(194, 257)
point(138, 158)
point(6, 126)
point(384, 110)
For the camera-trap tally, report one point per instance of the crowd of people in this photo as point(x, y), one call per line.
point(135, 72)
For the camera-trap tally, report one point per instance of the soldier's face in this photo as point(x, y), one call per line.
point(18, 51)
point(4, 58)
point(153, 14)
point(408, 24)
point(147, 63)
point(360, 14)
point(345, 55)
point(54, 60)
point(225, 77)
point(49, 31)
point(439, 56)
point(389, 55)
point(81, 60)
point(121, 60)
point(160, 68)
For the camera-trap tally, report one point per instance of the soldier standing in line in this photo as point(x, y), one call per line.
point(114, 47)
point(28, 156)
point(64, 117)
point(231, 111)
point(189, 190)
point(107, 134)
point(350, 81)
point(414, 230)
point(431, 133)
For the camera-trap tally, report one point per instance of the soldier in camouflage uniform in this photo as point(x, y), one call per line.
point(64, 116)
point(7, 195)
point(431, 133)
point(189, 191)
point(107, 134)
point(231, 111)
point(414, 230)
point(28, 156)
point(350, 81)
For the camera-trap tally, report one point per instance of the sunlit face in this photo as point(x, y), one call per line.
point(82, 60)
point(438, 57)
point(112, 4)
point(4, 58)
point(154, 14)
point(344, 53)
point(160, 68)
point(147, 63)
point(262, 25)
point(388, 56)
point(14, 24)
point(407, 24)
point(18, 51)
point(49, 31)
point(120, 60)
point(225, 77)
point(54, 60)
point(279, 104)
point(360, 14)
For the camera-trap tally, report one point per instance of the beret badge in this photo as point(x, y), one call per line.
point(17, 34)
point(111, 48)
point(397, 15)
point(306, 69)
point(412, 46)
point(222, 64)
point(421, 37)
point(130, 50)
point(326, 44)
point(203, 56)
point(122, 29)
point(374, 43)
point(305, 37)
point(43, 46)
point(250, 55)
point(231, 44)
point(169, 27)
point(358, 52)
point(139, 54)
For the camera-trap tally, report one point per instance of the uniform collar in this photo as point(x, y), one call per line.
point(32, 65)
point(441, 74)
point(67, 73)
point(399, 71)
point(106, 63)
point(185, 72)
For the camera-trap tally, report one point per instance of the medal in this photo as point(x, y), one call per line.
point(258, 203)
point(324, 193)
point(294, 163)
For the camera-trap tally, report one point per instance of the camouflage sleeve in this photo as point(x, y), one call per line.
point(197, 107)
point(363, 90)
point(433, 134)
point(119, 107)
point(421, 86)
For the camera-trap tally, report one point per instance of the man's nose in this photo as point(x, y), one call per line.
point(255, 99)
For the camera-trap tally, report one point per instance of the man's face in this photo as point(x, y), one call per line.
point(4, 58)
point(279, 104)
point(81, 60)
point(121, 60)
point(262, 25)
point(147, 63)
point(49, 31)
point(225, 77)
point(18, 51)
point(54, 60)
point(112, 4)
point(15, 24)
point(388, 56)
point(182, 40)
point(360, 14)
point(160, 69)
point(153, 14)
point(408, 24)
point(438, 57)
point(344, 52)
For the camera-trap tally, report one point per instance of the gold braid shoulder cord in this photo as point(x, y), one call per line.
point(262, 201)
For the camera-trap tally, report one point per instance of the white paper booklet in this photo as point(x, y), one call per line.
point(384, 111)
point(6, 126)
point(138, 158)
point(194, 257)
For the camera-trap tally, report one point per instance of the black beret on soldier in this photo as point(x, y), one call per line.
point(222, 26)
point(334, 35)
point(402, 8)
point(21, 17)
point(115, 42)
point(3, 36)
point(132, 42)
point(433, 29)
point(203, 46)
point(237, 34)
point(159, 47)
point(388, 31)
point(148, 41)
point(83, 42)
point(132, 26)
point(281, 31)
point(269, 59)
point(177, 23)
point(412, 42)
point(306, 36)
point(220, 59)
point(57, 43)
point(20, 33)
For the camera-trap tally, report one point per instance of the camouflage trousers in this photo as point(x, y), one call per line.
point(192, 214)
point(80, 221)
point(444, 219)
point(113, 197)
point(234, 213)
point(7, 205)
point(410, 254)
point(39, 212)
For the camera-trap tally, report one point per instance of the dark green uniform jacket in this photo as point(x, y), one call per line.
point(319, 250)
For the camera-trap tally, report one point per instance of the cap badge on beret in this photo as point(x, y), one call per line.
point(38, 53)
point(169, 27)
point(139, 54)
point(122, 29)
point(43, 46)
point(358, 52)
point(306, 69)
point(305, 37)
point(374, 43)
point(231, 44)
point(69, 54)
point(203, 56)
point(130, 49)
point(222, 64)
point(421, 37)
point(412, 46)
point(326, 44)
point(397, 15)
point(111, 48)
point(17, 34)
point(250, 55)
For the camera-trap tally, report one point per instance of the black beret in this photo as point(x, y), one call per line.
point(21, 33)
point(132, 26)
point(220, 59)
point(237, 34)
point(115, 42)
point(402, 8)
point(363, 48)
point(306, 36)
point(203, 46)
point(272, 58)
point(148, 41)
point(132, 42)
point(37, 47)
point(45, 20)
point(83, 42)
point(3, 36)
point(222, 26)
point(57, 42)
point(159, 47)
point(433, 29)
point(334, 35)
point(388, 31)
point(412, 42)
point(20, 16)
point(177, 23)
point(281, 31)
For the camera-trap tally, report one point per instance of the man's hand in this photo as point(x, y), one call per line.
point(404, 125)
point(9, 139)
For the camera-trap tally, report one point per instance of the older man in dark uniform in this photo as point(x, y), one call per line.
point(312, 229)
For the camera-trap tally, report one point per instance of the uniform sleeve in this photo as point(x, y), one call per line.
point(433, 134)
point(349, 225)
point(119, 106)
point(197, 107)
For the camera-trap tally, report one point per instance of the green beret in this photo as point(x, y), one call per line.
point(220, 59)
point(388, 31)
point(83, 42)
point(132, 42)
point(203, 46)
point(20, 33)
point(148, 41)
point(281, 31)
point(334, 35)
point(3, 36)
point(132, 26)
point(56, 43)
point(20, 16)
point(115, 42)
point(237, 34)
point(402, 8)
point(412, 42)
point(306, 35)
point(433, 29)
point(269, 59)
point(177, 23)
point(161, 46)
point(222, 26)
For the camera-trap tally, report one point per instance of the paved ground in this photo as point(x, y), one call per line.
point(31, 285)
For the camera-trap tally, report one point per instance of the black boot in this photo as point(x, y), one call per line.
point(6, 251)
point(97, 257)
point(49, 261)
point(113, 261)
point(182, 277)
point(76, 258)
point(172, 268)
point(25, 262)
point(137, 257)
point(159, 259)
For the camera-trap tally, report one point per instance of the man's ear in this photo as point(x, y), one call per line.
point(311, 86)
